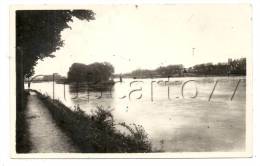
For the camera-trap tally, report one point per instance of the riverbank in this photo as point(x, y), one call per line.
point(96, 133)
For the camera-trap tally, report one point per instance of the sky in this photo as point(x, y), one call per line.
point(148, 36)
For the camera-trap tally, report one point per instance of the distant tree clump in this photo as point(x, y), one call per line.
point(237, 66)
point(233, 67)
point(170, 70)
point(92, 73)
point(162, 71)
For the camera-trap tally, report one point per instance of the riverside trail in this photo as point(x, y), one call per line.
point(45, 135)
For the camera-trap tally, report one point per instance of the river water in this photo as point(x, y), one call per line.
point(177, 118)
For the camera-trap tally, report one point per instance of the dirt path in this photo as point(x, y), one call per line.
point(45, 135)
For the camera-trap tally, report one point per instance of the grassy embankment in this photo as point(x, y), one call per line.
point(96, 133)
point(23, 144)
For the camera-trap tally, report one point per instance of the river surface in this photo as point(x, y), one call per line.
point(177, 118)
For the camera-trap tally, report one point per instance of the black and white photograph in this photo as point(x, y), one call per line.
point(131, 80)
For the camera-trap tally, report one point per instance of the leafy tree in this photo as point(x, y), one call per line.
point(38, 36)
point(38, 33)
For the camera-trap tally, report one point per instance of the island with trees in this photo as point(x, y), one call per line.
point(92, 73)
point(94, 77)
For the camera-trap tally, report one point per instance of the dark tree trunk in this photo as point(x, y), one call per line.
point(19, 80)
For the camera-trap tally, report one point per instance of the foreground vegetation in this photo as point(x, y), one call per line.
point(23, 144)
point(96, 133)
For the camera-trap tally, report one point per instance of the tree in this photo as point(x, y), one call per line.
point(237, 66)
point(38, 36)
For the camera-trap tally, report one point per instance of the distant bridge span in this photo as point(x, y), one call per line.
point(33, 78)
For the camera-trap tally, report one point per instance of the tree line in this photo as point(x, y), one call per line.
point(232, 67)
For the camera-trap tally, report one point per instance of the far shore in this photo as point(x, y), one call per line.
point(134, 77)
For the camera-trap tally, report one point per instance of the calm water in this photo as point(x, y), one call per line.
point(174, 123)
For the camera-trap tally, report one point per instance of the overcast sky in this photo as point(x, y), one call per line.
point(149, 36)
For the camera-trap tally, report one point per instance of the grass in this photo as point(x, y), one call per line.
point(96, 133)
point(23, 144)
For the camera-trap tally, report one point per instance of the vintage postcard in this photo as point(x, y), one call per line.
point(131, 81)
